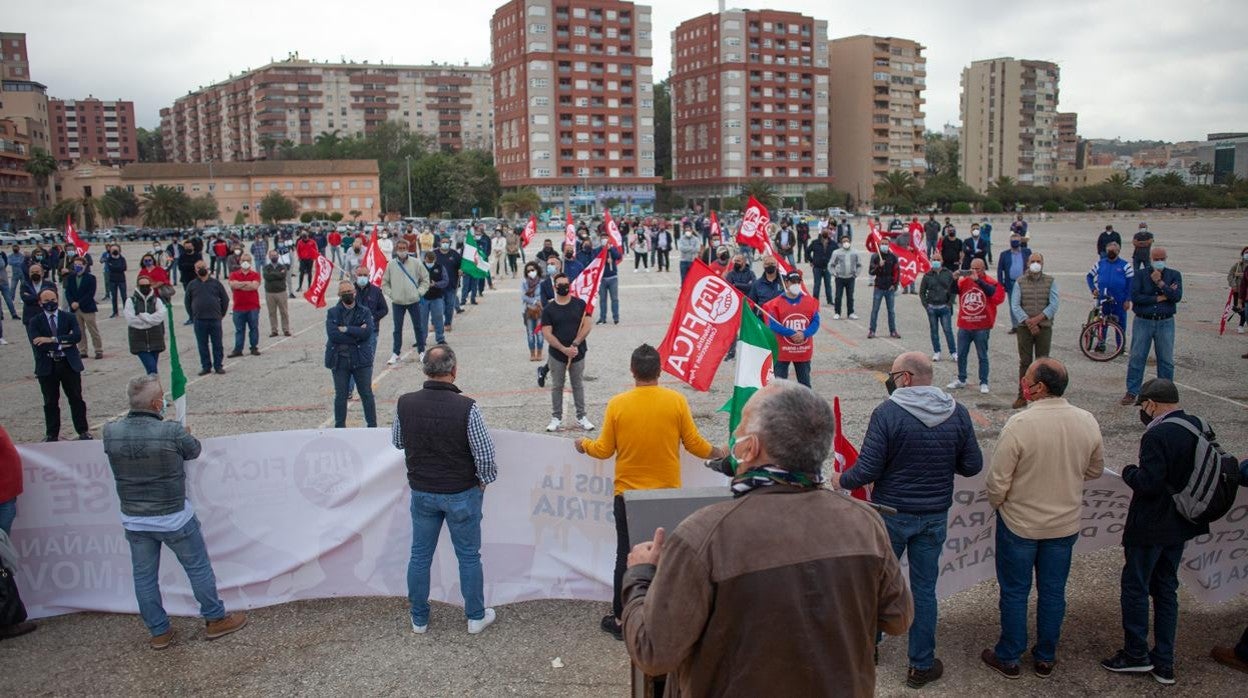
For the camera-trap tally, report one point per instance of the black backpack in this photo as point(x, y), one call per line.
point(1211, 488)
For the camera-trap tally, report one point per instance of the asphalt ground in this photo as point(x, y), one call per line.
point(362, 645)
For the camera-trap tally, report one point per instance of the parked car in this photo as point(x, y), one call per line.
point(838, 212)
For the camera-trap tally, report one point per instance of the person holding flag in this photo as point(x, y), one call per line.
point(609, 287)
point(475, 265)
point(887, 273)
point(565, 324)
point(794, 317)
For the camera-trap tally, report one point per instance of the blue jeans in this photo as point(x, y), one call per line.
point(822, 276)
point(209, 331)
point(371, 348)
point(246, 321)
point(980, 339)
point(187, 543)
point(1151, 571)
point(431, 309)
point(150, 361)
point(8, 512)
point(467, 287)
point(610, 287)
point(7, 292)
point(802, 368)
point(462, 513)
point(888, 297)
point(937, 319)
point(1159, 334)
point(921, 537)
point(362, 376)
point(398, 312)
point(684, 271)
point(450, 302)
point(532, 335)
point(118, 290)
point(1017, 558)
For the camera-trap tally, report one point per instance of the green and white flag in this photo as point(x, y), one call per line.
point(474, 264)
point(177, 379)
point(756, 350)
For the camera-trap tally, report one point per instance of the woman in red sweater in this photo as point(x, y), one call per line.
point(10, 480)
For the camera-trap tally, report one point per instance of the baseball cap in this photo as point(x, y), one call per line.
point(1158, 390)
point(794, 275)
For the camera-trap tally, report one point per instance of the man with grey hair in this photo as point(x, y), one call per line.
point(450, 460)
point(917, 440)
point(148, 456)
point(748, 568)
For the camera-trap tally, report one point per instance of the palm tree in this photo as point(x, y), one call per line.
point(268, 145)
point(762, 190)
point(1005, 190)
point(327, 143)
point(41, 166)
point(1117, 187)
point(897, 184)
point(520, 202)
point(166, 207)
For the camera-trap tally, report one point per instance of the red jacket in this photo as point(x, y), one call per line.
point(306, 249)
point(334, 239)
point(156, 274)
point(10, 468)
point(977, 310)
point(246, 300)
point(220, 249)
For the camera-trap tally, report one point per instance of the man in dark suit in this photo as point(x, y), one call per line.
point(55, 334)
point(35, 281)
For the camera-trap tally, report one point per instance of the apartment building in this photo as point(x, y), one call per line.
point(17, 186)
point(14, 62)
point(749, 96)
point(1009, 122)
point(92, 129)
point(878, 124)
point(249, 116)
point(573, 98)
point(1067, 139)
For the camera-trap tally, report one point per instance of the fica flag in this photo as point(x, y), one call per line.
point(911, 262)
point(71, 236)
point(322, 270)
point(754, 224)
point(703, 328)
point(530, 230)
point(373, 260)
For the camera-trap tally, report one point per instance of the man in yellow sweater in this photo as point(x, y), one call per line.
point(1035, 482)
point(644, 429)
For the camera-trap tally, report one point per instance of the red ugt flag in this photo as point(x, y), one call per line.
point(613, 231)
point(569, 233)
point(916, 235)
point(1228, 311)
point(703, 328)
point(753, 230)
point(873, 237)
point(845, 455)
point(910, 263)
point(530, 230)
point(321, 271)
point(373, 260)
point(716, 232)
point(585, 285)
point(71, 235)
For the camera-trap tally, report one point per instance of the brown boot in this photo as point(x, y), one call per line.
point(1226, 657)
point(160, 642)
point(224, 626)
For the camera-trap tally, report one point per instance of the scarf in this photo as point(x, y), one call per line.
point(768, 475)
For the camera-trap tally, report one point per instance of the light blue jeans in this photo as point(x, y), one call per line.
point(921, 537)
point(980, 339)
point(1160, 335)
point(462, 513)
point(938, 319)
point(187, 543)
point(610, 287)
point(888, 296)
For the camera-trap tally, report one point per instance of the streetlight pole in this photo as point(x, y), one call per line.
point(408, 160)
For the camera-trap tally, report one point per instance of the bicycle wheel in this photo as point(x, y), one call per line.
point(1102, 340)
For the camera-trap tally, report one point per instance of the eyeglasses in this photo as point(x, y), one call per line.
point(894, 374)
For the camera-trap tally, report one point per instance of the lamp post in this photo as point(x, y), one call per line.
point(408, 159)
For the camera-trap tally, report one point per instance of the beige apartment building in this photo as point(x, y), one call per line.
point(876, 99)
point(749, 100)
point(17, 186)
point(1009, 122)
point(315, 185)
point(1067, 139)
point(250, 115)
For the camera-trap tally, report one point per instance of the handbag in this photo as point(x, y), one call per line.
point(12, 610)
point(533, 312)
point(166, 292)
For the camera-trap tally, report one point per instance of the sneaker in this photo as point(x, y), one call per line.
point(234, 354)
point(99, 354)
point(272, 334)
point(1009, 671)
point(1226, 657)
point(612, 627)
point(871, 334)
point(205, 372)
point(956, 385)
point(601, 322)
point(1238, 330)
point(232, 622)
point(1128, 399)
point(1122, 663)
point(3, 341)
point(585, 424)
point(476, 626)
point(1043, 669)
point(894, 335)
point(836, 316)
point(286, 333)
point(918, 678)
point(953, 356)
point(220, 371)
point(255, 351)
point(542, 371)
point(420, 629)
point(420, 354)
point(935, 356)
point(394, 359)
point(85, 436)
point(160, 642)
point(554, 425)
point(983, 388)
point(853, 316)
point(1099, 349)
point(1163, 675)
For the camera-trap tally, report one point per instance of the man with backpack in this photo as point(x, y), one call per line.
point(1183, 482)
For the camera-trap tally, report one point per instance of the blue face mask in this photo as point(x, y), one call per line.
point(936, 264)
point(550, 269)
point(361, 281)
point(1159, 264)
point(1016, 243)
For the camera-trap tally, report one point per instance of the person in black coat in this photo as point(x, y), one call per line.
point(951, 249)
point(191, 255)
point(54, 335)
point(36, 280)
point(348, 329)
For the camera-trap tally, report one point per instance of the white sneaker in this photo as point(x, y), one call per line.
point(420, 356)
point(836, 316)
point(419, 629)
point(585, 423)
point(936, 356)
point(954, 356)
point(1238, 330)
point(853, 316)
point(554, 425)
point(476, 626)
point(4, 341)
point(983, 388)
point(635, 270)
point(394, 359)
point(956, 385)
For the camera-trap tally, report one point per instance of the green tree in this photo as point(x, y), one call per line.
point(825, 198)
point(355, 215)
point(151, 145)
point(336, 216)
point(274, 207)
point(306, 217)
point(166, 207)
point(123, 202)
point(941, 154)
point(521, 202)
point(204, 208)
point(1004, 189)
point(327, 144)
point(662, 130)
point(239, 218)
point(896, 188)
point(41, 166)
point(762, 190)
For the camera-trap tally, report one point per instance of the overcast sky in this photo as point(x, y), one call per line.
point(1157, 69)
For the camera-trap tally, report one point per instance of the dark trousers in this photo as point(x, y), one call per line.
point(305, 269)
point(118, 290)
point(621, 555)
point(209, 332)
point(1030, 348)
point(823, 278)
point(684, 271)
point(802, 368)
point(664, 258)
point(845, 286)
point(1151, 571)
point(63, 378)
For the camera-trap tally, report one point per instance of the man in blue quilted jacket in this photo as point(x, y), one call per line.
point(917, 440)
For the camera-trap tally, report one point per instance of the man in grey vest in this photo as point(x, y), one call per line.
point(450, 460)
point(1033, 303)
point(148, 456)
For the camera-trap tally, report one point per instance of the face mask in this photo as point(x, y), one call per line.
point(563, 290)
point(952, 234)
point(738, 266)
point(532, 274)
point(361, 281)
point(164, 405)
point(401, 255)
point(1159, 264)
point(347, 298)
point(35, 278)
point(883, 249)
point(273, 259)
point(145, 289)
point(148, 263)
point(567, 255)
point(237, 252)
point(428, 265)
point(769, 269)
point(740, 440)
point(1246, 258)
point(78, 269)
point(795, 289)
point(1034, 267)
point(724, 257)
point(1112, 254)
point(446, 245)
point(550, 269)
point(1145, 419)
point(201, 272)
point(844, 245)
point(245, 266)
point(890, 385)
point(188, 250)
point(936, 264)
point(1015, 244)
point(49, 306)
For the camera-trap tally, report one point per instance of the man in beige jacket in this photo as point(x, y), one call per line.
point(1035, 482)
point(404, 282)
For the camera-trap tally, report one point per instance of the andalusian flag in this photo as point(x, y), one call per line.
point(177, 379)
point(756, 349)
point(473, 264)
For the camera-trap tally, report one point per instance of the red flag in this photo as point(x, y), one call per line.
point(585, 285)
point(374, 260)
point(613, 231)
point(530, 230)
point(1227, 312)
point(845, 455)
point(569, 234)
point(873, 237)
point(781, 262)
point(703, 328)
point(716, 232)
point(916, 235)
point(80, 246)
point(753, 230)
point(321, 271)
point(910, 263)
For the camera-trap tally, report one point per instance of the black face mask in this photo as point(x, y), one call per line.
point(563, 290)
point(202, 272)
point(568, 255)
point(1111, 255)
point(769, 269)
point(738, 266)
point(1145, 419)
point(723, 258)
point(890, 385)
point(347, 298)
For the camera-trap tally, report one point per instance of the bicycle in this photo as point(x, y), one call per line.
point(1098, 331)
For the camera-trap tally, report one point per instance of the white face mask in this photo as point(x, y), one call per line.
point(844, 245)
point(795, 289)
point(532, 274)
point(1034, 267)
point(246, 265)
point(974, 233)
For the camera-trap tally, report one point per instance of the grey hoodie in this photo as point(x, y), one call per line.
point(927, 403)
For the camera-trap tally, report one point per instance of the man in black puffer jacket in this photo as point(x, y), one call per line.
point(916, 442)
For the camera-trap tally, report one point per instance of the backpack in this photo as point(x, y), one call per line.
point(1211, 488)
